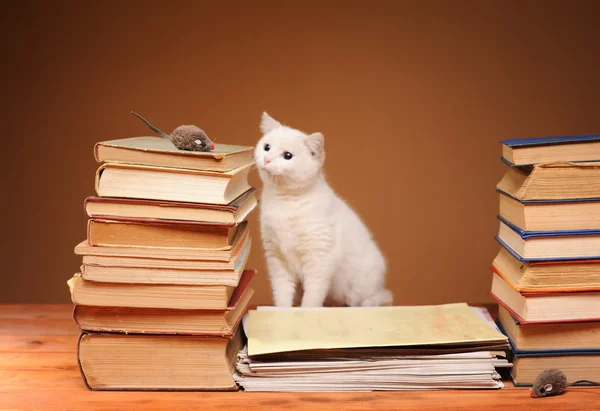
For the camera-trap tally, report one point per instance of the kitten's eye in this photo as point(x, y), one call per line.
point(267, 147)
point(287, 155)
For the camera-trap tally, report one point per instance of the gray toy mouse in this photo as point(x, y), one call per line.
point(186, 137)
point(553, 381)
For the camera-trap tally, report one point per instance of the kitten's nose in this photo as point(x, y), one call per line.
point(267, 161)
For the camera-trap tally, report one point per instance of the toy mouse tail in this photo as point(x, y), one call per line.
point(165, 135)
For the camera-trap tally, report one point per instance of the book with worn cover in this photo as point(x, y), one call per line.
point(555, 149)
point(556, 337)
point(182, 273)
point(545, 307)
point(551, 215)
point(166, 321)
point(548, 276)
point(111, 361)
point(183, 255)
point(160, 234)
point(232, 213)
point(170, 296)
point(549, 245)
point(160, 152)
point(562, 182)
point(171, 184)
point(576, 364)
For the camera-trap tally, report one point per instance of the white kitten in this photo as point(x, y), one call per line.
point(311, 237)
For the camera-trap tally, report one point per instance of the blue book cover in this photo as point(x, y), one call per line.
point(553, 201)
point(545, 353)
point(545, 141)
point(559, 233)
point(542, 141)
point(534, 260)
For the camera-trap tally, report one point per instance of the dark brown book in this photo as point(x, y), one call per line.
point(159, 234)
point(120, 208)
point(158, 362)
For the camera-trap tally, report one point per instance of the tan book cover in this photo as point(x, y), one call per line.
point(184, 254)
point(171, 184)
point(158, 151)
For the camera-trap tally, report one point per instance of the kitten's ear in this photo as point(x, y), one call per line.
point(268, 123)
point(316, 143)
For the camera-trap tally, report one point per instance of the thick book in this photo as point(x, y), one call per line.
point(554, 149)
point(158, 151)
point(170, 296)
point(555, 337)
point(184, 255)
point(557, 182)
point(160, 234)
point(550, 215)
point(111, 361)
point(548, 276)
point(545, 307)
point(549, 245)
point(577, 365)
point(171, 184)
point(151, 210)
point(168, 275)
point(165, 321)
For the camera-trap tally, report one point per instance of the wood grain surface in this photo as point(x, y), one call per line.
point(38, 371)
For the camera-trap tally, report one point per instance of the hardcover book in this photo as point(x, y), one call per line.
point(169, 296)
point(171, 184)
point(552, 182)
point(160, 152)
point(556, 149)
point(185, 255)
point(550, 215)
point(549, 245)
point(130, 320)
point(111, 361)
point(545, 307)
point(549, 337)
point(151, 210)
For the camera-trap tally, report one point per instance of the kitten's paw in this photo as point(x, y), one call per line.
point(381, 298)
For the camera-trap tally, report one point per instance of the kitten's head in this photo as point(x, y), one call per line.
point(286, 156)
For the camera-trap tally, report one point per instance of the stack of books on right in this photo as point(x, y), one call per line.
point(546, 277)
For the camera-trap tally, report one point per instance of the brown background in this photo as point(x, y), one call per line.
point(412, 98)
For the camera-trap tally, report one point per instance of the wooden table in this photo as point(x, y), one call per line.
point(38, 371)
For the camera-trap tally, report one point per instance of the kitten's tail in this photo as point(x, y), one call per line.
point(380, 298)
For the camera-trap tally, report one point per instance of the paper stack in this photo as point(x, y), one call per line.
point(371, 349)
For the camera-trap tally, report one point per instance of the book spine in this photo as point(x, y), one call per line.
point(79, 365)
point(97, 179)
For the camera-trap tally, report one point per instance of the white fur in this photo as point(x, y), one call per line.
point(311, 237)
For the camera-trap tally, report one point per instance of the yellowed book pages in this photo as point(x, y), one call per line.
point(277, 331)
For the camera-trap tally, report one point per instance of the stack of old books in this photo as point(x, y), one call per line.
point(546, 276)
point(163, 285)
point(371, 349)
